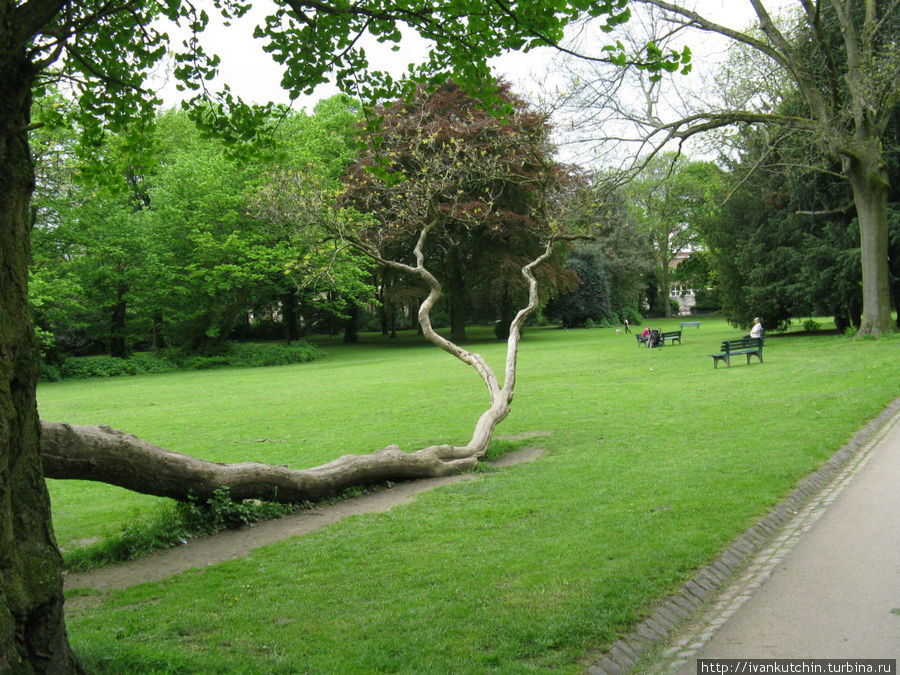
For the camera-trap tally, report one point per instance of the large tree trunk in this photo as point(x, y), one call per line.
point(867, 173)
point(32, 629)
point(103, 454)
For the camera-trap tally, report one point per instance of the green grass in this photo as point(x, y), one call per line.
point(656, 460)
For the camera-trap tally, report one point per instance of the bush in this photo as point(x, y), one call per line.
point(255, 354)
point(49, 373)
point(632, 314)
point(171, 525)
point(811, 325)
point(205, 362)
point(148, 363)
point(249, 355)
point(80, 367)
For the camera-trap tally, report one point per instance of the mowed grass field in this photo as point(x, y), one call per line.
point(654, 463)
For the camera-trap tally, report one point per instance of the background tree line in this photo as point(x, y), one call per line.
point(184, 245)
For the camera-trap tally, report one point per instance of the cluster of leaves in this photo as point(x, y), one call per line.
point(169, 251)
point(485, 185)
point(787, 244)
point(254, 355)
point(80, 367)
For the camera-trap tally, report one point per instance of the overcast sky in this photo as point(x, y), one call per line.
point(253, 75)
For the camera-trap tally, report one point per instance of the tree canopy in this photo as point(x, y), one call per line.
point(835, 64)
point(489, 184)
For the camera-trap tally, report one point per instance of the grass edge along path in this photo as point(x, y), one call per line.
point(640, 647)
point(655, 462)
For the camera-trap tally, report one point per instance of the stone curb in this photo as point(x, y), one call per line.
point(709, 580)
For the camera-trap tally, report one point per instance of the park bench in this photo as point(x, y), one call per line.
point(641, 340)
point(671, 336)
point(744, 345)
point(690, 323)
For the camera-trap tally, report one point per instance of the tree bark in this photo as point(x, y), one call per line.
point(867, 173)
point(32, 629)
point(109, 456)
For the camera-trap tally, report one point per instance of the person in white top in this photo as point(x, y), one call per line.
point(757, 330)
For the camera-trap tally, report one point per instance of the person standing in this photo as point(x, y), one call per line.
point(625, 321)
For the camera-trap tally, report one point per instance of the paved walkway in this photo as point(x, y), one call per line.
point(822, 580)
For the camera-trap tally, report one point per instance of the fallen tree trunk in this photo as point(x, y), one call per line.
point(100, 453)
point(104, 454)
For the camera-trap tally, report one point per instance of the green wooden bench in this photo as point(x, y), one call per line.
point(671, 336)
point(745, 345)
point(641, 340)
point(690, 323)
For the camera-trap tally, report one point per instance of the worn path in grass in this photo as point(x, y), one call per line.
point(233, 544)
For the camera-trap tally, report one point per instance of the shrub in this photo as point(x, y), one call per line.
point(49, 373)
point(80, 367)
point(811, 325)
point(148, 363)
point(247, 355)
point(205, 362)
point(171, 525)
point(632, 314)
point(255, 354)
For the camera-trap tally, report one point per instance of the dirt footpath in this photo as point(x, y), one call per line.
point(233, 544)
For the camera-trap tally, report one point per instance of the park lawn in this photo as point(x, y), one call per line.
point(656, 460)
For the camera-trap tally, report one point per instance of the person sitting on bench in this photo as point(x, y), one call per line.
point(757, 330)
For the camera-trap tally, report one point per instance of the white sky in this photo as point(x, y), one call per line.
point(253, 75)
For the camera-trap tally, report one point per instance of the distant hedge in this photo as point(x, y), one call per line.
point(237, 355)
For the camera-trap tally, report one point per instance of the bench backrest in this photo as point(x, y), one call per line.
point(742, 343)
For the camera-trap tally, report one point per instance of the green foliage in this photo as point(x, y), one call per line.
point(172, 250)
point(254, 355)
point(78, 367)
point(590, 300)
point(632, 314)
point(671, 201)
point(236, 355)
point(49, 373)
point(171, 524)
point(771, 261)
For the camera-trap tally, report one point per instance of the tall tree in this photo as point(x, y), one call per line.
point(442, 157)
point(668, 199)
point(103, 50)
point(842, 59)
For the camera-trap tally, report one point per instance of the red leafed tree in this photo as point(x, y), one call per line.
point(485, 179)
